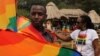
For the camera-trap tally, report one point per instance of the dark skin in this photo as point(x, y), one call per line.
point(82, 27)
point(95, 44)
point(37, 16)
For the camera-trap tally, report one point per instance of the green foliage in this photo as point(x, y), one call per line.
point(86, 5)
point(62, 5)
point(22, 12)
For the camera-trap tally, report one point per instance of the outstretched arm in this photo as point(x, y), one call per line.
point(96, 47)
point(64, 36)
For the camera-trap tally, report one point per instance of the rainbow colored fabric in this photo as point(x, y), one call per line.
point(7, 11)
point(20, 44)
point(16, 44)
point(22, 22)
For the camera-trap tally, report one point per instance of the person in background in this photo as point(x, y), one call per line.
point(48, 24)
point(75, 26)
point(85, 37)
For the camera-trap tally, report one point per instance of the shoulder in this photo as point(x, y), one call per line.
point(93, 34)
point(74, 34)
point(91, 31)
point(75, 31)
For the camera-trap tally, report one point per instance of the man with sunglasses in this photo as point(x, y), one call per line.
point(36, 30)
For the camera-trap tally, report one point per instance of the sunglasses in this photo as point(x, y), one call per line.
point(39, 13)
point(78, 22)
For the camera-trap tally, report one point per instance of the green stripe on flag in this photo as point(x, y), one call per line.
point(68, 52)
point(12, 24)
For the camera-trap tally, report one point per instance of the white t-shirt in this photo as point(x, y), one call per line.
point(84, 44)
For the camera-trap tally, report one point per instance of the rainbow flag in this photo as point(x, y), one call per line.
point(22, 22)
point(16, 44)
point(7, 12)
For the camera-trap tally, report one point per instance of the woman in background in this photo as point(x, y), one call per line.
point(86, 38)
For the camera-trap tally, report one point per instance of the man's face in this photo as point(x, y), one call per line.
point(37, 14)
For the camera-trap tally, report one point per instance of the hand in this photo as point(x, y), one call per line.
point(62, 35)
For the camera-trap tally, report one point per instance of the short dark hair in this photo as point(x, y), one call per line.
point(38, 3)
point(86, 19)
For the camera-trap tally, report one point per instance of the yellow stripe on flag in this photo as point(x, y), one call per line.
point(10, 11)
point(3, 21)
point(48, 50)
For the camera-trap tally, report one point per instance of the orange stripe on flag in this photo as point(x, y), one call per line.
point(2, 6)
point(10, 1)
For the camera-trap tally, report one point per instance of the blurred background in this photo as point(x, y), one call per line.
point(86, 5)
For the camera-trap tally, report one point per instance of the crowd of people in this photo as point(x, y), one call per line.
point(61, 24)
